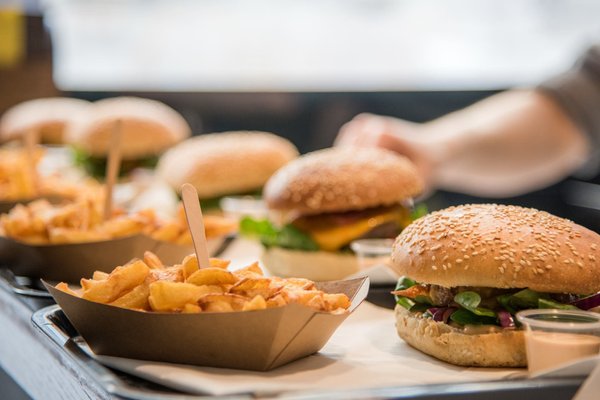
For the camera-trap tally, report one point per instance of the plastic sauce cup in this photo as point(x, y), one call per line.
point(372, 252)
point(554, 337)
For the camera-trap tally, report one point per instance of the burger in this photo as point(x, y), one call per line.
point(327, 199)
point(148, 128)
point(48, 117)
point(225, 164)
point(468, 269)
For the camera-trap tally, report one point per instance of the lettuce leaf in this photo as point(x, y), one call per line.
point(527, 298)
point(420, 210)
point(465, 317)
point(546, 303)
point(404, 283)
point(96, 166)
point(470, 301)
point(287, 237)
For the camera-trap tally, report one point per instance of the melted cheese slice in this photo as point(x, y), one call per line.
point(335, 237)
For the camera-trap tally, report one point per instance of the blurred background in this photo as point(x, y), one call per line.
point(300, 68)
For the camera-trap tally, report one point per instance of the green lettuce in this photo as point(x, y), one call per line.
point(287, 236)
point(403, 284)
point(465, 317)
point(547, 303)
point(471, 313)
point(470, 301)
point(420, 210)
point(96, 166)
point(527, 298)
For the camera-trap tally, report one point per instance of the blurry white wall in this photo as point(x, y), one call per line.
point(306, 45)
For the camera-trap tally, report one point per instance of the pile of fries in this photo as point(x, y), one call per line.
point(148, 285)
point(41, 222)
point(20, 181)
point(176, 230)
point(17, 180)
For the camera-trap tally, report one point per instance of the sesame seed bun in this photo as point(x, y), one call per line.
point(342, 179)
point(498, 246)
point(313, 265)
point(225, 163)
point(148, 127)
point(48, 116)
point(504, 348)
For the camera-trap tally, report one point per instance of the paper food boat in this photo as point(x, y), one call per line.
point(70, 261)
point(254, 340)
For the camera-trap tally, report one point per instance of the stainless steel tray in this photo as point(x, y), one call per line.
point(52, 322)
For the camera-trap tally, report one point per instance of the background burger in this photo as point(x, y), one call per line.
point(224, 164)
point(48, 117)
point(468, 269)
point(148, 128)
point(327, 199)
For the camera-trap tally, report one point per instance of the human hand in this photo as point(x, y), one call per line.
point(403, 137)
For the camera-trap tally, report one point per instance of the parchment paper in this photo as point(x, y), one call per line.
point(365, 352)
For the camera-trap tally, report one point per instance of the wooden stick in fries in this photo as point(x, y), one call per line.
point(193, 215)
point(112, 168)
point(31, 139)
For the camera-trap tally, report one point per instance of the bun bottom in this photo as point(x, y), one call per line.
point(313, 265)
point(442, 341)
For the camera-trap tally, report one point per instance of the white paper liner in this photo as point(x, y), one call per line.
point(365, 352)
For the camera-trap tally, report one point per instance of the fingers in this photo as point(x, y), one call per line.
point(362, 130)
point(402, 137)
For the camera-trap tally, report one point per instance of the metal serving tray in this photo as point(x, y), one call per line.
point(53, 323)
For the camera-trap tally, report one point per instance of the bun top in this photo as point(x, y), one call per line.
point(225, 163)
point(489, 245)
point(48, 116)
point(342, 179)
point(148, 127)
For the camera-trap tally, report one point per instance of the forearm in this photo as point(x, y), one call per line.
point(508, 144)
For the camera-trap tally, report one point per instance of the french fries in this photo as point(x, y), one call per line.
point(41, 222)
point(149, 285)
point(120, 281)
point(17, 180)
point(176, 231)
point(80, 221)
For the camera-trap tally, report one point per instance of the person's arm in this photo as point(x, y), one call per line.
point(505, 145)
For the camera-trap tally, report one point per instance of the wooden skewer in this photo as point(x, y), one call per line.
point(112, 168)
point(31, 139)
point(193, 215)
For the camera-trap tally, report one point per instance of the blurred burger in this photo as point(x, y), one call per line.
point(48, 117)
point(327, 199)
point(225, 164)
point(468, 270)
point(148, 128)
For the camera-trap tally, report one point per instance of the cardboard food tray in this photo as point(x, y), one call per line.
point(254, 340)
point(71, 261)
